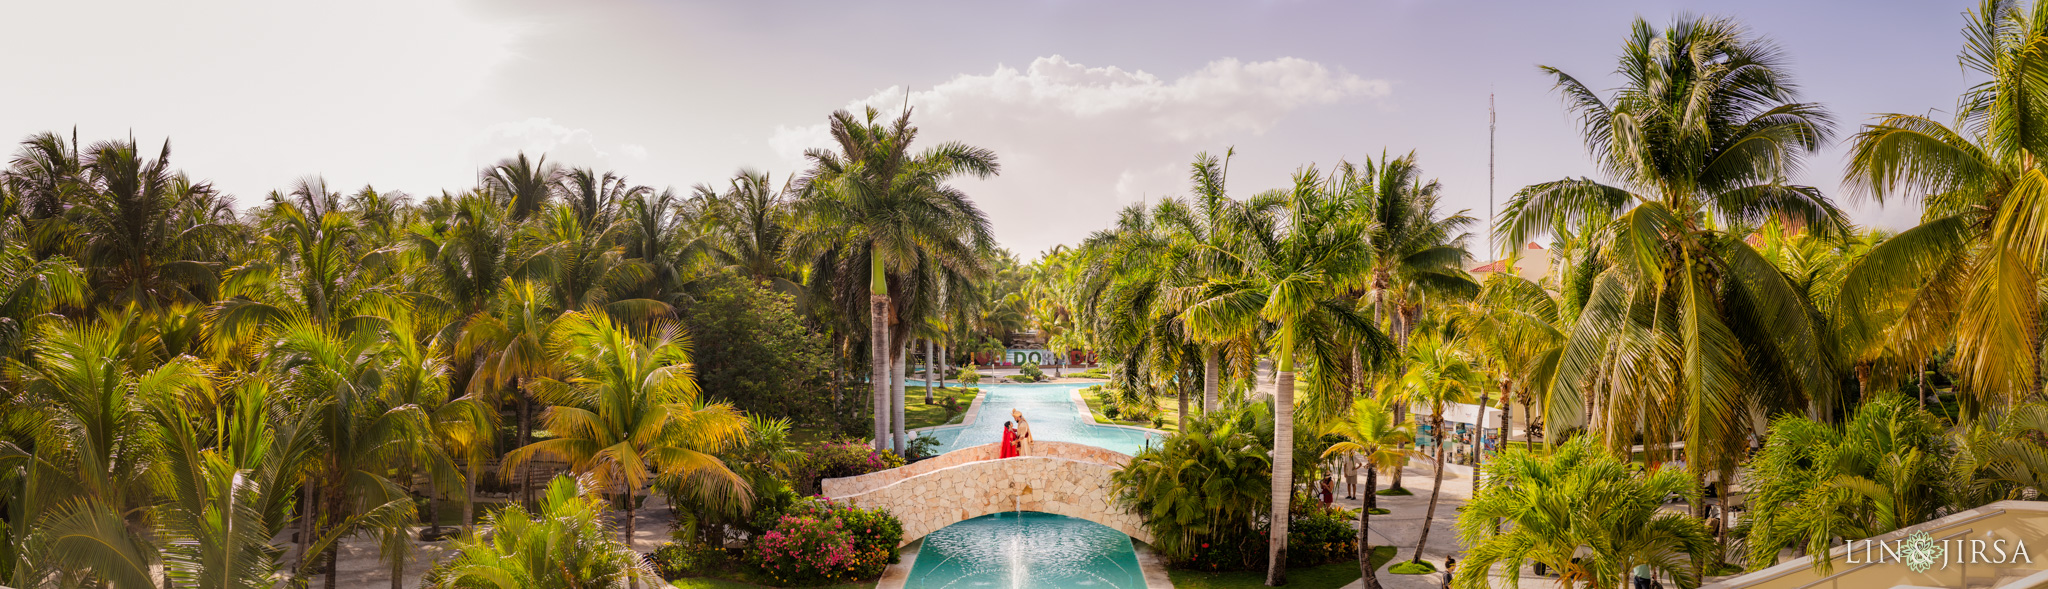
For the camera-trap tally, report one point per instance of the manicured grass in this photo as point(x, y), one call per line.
point(1396, 492)
point(1169, 410)
point(1412, 567)
point(1379, 511)
point(1329, 576)
point(710, 583)
point(917, 414)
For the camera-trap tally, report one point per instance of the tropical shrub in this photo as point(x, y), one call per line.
point(1815, 484)
point(1031, 371)
point(1318, 535)
point(1583, 512)
point(566, 545)
point(1204, 492)
point(820, 542)
point(841, 459)
point(674, 561)
point(923, 446)
point(968, 376)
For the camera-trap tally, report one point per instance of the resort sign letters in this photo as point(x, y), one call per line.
point(1921, 552)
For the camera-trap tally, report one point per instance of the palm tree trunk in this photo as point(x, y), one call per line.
point(901, 366)
point(1365, 568)
point(1211, 370)
point(1283, 476)
point(1400, 408)
point(397, 570)
point(1436, 422)
point(1183, 392)
point(878, 379)
point(525, 437)
point(943, 367)
point(629, 518)
point(928, 368)
point(469, 501)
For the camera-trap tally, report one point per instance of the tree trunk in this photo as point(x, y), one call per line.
point(1211, 372)
point(943, 367)
point(469, 502)
point(1401, 370)
point(1365, 568)
point(629, 519)
point(525, 437)
point(878, 379)
point(397, 569)
point(1183, 392)
point(928, 368)
point(1923, 384)
point(1436, 421)
point(897, 395)
point(1283, 476)
point(308, 512)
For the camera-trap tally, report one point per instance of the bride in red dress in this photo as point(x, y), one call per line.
point(1009, 449)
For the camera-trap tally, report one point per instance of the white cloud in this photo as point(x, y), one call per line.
point(562, 145)
point(1078, 141)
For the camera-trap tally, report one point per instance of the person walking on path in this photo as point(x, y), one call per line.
point(1023, 433)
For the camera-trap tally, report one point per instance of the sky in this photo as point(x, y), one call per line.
point(1090, 106)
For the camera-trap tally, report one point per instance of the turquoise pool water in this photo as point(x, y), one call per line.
point(1050, 409)
point(1028, 549)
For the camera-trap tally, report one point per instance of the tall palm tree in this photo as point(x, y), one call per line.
point(1442, 375)
point(752, 220)
point(627, 409)
point(510, 346)
point(1297, 269)
point(1687, 334)
point(1966, 273)
point(1370, 432)
point(135, 241)
point(523, 185)
point(1417, 250)
point(879, 213)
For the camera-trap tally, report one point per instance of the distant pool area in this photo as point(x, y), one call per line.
point(1053, 416)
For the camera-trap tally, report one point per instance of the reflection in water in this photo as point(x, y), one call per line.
point(1028, 549)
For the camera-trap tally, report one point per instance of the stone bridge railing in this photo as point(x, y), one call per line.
point(1058, 478)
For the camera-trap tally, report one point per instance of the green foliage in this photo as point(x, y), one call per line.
point(1581, 500)
point(1031, 371)
point(819, 542)
point(923, 446)
point(674, 561)
point(1204, 491)
point(753, 351)
point(841, 459)
point(967, 376)
point(1319, 536)
point(1412, 567)
point(565, 545)
point(1816, 484)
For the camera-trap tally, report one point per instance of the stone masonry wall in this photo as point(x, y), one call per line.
point(842, 487)
point(1064, 486)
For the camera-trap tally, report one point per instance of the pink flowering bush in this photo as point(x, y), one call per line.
point(818, 542)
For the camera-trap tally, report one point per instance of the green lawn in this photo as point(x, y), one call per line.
point(1169, 410)
point(1329, 576)
point(917, 414)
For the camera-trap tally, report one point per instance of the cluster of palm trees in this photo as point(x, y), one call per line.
point(201, 396)
point(1696, 295)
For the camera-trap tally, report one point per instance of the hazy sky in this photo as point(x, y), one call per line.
point(1090, 105)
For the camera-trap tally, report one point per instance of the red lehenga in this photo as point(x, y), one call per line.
point(1009, 449)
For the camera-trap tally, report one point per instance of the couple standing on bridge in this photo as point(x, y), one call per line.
point(1016, 436)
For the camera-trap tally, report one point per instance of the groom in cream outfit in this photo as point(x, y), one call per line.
point(1023, 432)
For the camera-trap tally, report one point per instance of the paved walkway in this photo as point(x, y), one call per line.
point(1403, 526)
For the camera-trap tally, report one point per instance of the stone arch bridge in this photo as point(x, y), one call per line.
point(1059, 478)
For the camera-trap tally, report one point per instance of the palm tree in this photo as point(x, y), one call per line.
point(1965, 273)
point(135, 240)
point(1294, 280)
point(523, 185)
point(876, 211)
point(562, 545)
point(1687, 333)
point(1370, 432)
point(1442, 375)
point(1417, 250)
point(627, 409)
point(751, 223)
point(1584, 513)
point(509, 345)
